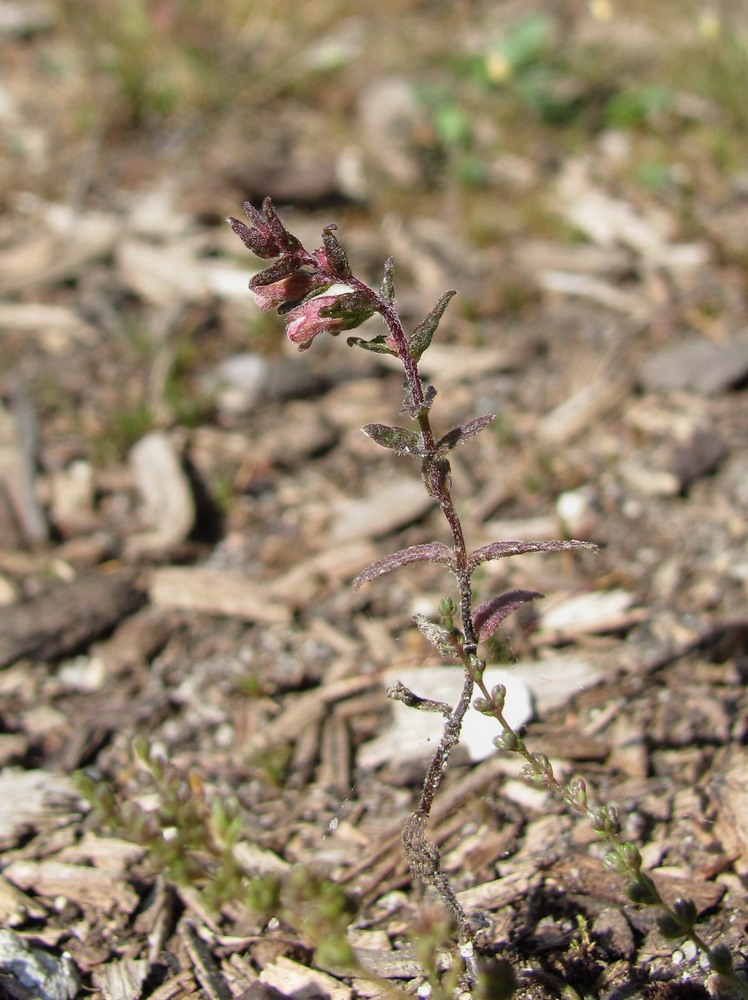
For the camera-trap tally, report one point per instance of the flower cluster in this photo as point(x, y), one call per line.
point(293, 284)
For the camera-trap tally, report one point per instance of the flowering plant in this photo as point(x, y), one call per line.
point(318, 293)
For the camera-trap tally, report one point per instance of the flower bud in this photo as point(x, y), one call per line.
point(509, 741)
point(642, 890)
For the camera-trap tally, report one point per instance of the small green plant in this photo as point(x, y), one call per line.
point(192, 841)
point(299, 284)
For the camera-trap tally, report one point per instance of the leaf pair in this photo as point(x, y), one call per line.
point(438, 552)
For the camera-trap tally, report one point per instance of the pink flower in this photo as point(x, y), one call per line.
point(325, 314)
point(290, 289)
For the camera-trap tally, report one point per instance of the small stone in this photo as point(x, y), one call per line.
point(613, 931)
point(239, 382)
point(700, 456)
point(169, 507)
point(73, 496)
point(37, 972)
point(699, 365)
point(577, 512)
point(416, 733)
point(651, 482)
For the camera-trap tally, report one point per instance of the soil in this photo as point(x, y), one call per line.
point(185, 502)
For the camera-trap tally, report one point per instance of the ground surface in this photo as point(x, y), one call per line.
point(184, 502)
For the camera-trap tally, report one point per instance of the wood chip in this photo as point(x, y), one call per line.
point(89, 887)
point(730, 793)
point(69, 242)
point(122, 980)
point(66, 617)
point(16, 907)
point(33, 799)
point(589, 403)
point(206, 970)
point(386, 508)
point(294, 980)
point(215, 592)
point(169, 507)
point(499, 893)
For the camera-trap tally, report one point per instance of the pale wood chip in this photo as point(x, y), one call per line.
point(109, 854)
point(16, 907)
point(334, 772)
point(68, 243)
point(335, 564)
point(33, 799)
point(181, 987)
point(730, 793)
point(257, 860)
point(399, 502)
point(216, 592)
point(499, 893)
point(86, 886)
point(122, 980)
point(586, 287)
point(452, 363)
point(309, 708)
point(43, 318)
point(589, 403)
point(293, 979)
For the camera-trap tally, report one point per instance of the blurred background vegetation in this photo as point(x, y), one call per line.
point(209, 90)
point(461, 115)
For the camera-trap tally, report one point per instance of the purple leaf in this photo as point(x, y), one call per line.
point(489, 615)
point(287, 240)
point(282, 268)
point(400, 440)
point(428, 552)
point(335, 255)
point(498, 550)
point(460, 434)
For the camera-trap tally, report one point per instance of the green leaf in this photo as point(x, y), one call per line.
point(399, 439)
point(421, 337)
point(414, 409)
point(377, 345)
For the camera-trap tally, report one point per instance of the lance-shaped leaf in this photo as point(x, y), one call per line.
point(287, 240)
point(437, 635)
point(458, 435)
point(489, 615)
point(387, 288)
point(274, 272)
point(337, 260)
point(399, 439)
point(377, 345)
point(427, 552)
point(420, 339)
point(499, 550)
